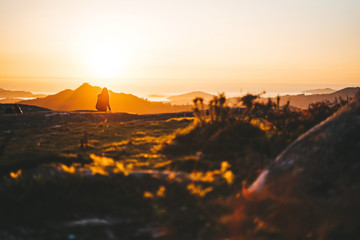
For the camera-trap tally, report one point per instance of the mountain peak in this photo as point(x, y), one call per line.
point(85, 85)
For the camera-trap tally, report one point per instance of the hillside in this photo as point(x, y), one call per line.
point(85, 97)
point(186, 99)
point(319, 91)
point(303, 101)
point(76, 175)
point(24, 108)
point(10, 100)
point(18, 94)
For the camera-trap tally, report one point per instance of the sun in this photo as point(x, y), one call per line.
point(105, 59)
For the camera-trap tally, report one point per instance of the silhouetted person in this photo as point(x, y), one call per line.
point(103, 101)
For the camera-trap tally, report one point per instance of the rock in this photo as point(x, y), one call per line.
point(320, 162)
point(313, 186)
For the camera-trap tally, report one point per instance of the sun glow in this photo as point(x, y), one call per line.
point(105, 59)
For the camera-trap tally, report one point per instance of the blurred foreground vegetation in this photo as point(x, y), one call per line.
point(179, 178)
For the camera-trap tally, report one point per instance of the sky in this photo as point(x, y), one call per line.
point(157, 46)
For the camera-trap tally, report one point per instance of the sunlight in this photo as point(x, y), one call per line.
point(105, 59)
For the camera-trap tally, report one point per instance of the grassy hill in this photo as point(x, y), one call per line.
point(18, 94)
point(24, 108)
point(91, 175)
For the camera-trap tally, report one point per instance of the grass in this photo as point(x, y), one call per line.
point(43, 199)
point(101, 177)
point(119, 140)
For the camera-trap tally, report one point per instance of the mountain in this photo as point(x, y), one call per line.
point(303, 101)
point(10, 100)
point(186, 99)
point(85, 97)
point(18, 94)
point(319, 91)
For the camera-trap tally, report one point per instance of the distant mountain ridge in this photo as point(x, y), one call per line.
point(303, 101)
point(320, 91)
point(186, 98)
point(10, 100)
point(85, 97)
point(18, 94)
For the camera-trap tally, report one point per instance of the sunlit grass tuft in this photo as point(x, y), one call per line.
point(198, 189)
point(15, 174)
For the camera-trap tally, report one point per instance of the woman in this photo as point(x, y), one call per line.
point(103, 101)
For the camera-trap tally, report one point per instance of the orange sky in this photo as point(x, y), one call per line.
point(171, 46)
